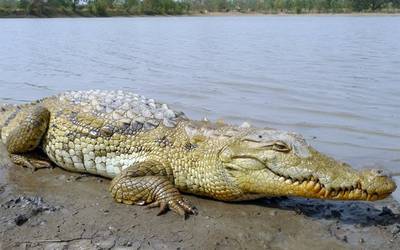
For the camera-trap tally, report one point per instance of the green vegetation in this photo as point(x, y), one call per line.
point(52, 8)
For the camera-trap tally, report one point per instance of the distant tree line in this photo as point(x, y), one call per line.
point(52, 8)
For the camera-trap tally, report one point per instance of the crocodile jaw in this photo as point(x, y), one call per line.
point(317, 176)
point(271, 185)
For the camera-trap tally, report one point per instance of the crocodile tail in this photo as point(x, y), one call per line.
point(9, 111)
point(3, 110)
point(4, 107)
point(6, 111)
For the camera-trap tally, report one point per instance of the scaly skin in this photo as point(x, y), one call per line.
point(153, 153)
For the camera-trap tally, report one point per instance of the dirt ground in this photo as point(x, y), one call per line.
point(55, 209)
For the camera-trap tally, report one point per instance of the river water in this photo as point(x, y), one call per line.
point(335, 79)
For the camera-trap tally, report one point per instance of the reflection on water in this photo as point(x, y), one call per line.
point(335, 79)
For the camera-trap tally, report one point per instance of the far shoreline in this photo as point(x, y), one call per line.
point(295, 14)
point(211, 14)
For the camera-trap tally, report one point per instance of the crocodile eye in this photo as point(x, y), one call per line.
point(281, 146)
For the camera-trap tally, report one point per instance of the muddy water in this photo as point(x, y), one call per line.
point(335, 79)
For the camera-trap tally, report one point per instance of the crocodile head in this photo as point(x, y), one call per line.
point(268, 162)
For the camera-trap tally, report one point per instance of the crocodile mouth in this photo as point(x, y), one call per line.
point(364, 186)
point(313, 188)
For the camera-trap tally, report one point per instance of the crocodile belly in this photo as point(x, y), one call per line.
point(84, 158)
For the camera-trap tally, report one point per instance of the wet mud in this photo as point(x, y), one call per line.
point(56, 209)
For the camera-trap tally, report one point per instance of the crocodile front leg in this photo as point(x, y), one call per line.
point(23, 132)
point(150, 183)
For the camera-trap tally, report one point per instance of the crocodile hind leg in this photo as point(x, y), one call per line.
point(150, 183)
point(23, 132)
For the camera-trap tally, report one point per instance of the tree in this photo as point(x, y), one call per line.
point(360, 5)
point(279, 5)
point(25, 5)
point(99, 7)
point(377, 4)
point(299, 5)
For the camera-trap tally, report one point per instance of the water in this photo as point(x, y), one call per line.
point(335, 79)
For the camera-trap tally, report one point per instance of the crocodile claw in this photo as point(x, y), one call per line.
point(179, 205)
point(31, 163)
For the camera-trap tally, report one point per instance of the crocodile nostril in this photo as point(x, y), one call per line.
point(382, 172)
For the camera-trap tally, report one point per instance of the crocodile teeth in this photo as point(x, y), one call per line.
point(317, 187)
point(357, 193)
point(350, 195)
point(310, 185)
point(364, 195)
point(313, 185)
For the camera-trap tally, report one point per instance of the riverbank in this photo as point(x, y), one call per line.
point(21, 14)
point(56, 209)
point(61, 8)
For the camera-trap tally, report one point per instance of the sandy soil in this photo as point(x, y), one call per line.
point(55, 209)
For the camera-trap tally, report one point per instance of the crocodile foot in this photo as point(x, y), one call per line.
point(154, 191)
point(179, 205)
point(30, 162)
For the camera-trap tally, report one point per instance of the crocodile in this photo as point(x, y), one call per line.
point(153, 153)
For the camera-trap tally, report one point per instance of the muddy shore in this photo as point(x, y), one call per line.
point(55, 209)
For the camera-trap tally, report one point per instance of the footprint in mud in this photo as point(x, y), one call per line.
point(25, 208)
